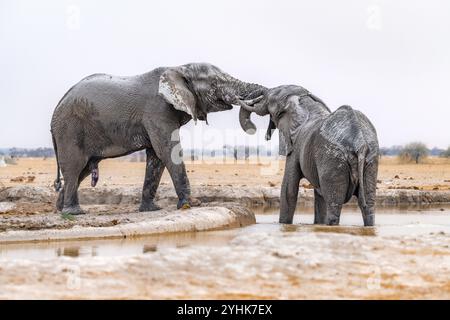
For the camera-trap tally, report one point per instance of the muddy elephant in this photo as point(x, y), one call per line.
point(336, 151)
point(105, 116)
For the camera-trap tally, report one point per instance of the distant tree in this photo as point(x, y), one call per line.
point(414, 151)
point(247, 153)
point(36, 153)
point(235, 153)
point(446, 153)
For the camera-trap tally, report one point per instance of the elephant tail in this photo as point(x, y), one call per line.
point(57, 184)
point(361, 162)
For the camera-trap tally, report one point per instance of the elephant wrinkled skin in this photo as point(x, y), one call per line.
point(105, 116)
point(337, 152)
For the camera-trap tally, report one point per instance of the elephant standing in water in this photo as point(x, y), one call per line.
point(105, 116)
point(337, 152)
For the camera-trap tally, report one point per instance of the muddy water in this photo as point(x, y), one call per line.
point(412, 221)
point(406, 256)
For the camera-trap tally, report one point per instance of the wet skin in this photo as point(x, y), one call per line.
point(337, 152)
point(106, 116)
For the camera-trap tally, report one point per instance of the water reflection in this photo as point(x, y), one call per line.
point(388, 222)
point(356, 231)
point(352, 230)
point(68, 252)
point(149, 248)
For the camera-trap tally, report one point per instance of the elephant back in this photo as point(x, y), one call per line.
point(350, 131)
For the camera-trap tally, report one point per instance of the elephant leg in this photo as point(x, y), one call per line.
point(72, 171)
point(334, 185)
point(370, 185)
point(368, 213)
point(289, 190)
point(167, 147)
point(180, 180)
point(153, 174)
point(320, 208)
point(333, 214)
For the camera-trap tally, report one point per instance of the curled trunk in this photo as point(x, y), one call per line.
point(247, 91)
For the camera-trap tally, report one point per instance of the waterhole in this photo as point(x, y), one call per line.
point(389, 221)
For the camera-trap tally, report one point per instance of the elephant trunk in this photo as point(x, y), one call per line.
point(253, 93)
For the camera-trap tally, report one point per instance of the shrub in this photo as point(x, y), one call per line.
point(414, 151)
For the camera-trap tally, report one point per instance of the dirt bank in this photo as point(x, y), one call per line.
point(295, 262)
point(122, 225)
point(247, 196)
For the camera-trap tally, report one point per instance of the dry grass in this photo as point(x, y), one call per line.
point(434, 173)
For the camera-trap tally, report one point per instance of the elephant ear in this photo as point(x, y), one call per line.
point(285, 139)
point(270, 129)
point(173, 88)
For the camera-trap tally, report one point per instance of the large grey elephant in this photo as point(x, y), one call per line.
point(105, 116)
point(337, 152)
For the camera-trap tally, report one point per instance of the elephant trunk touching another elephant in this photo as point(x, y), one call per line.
point(105, 116)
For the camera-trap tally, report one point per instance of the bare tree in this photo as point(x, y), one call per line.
point(414, 151)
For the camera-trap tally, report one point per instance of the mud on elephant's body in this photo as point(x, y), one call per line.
point(337, 152)
point(105, 116)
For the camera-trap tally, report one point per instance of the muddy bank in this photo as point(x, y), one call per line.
point(123, 225)
point(289, 263)
point(247, 196)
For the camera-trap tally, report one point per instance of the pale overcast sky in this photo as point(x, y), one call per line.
point(389, 59)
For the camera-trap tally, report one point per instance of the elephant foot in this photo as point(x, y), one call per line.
point(333, 221)
point(151, 206)
point(183, 204)
point(285, 220)
point(73, 210)
point(369, 220)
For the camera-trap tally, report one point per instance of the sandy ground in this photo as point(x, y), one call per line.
point(433, 174)
point(294, 262)
point(289, 262)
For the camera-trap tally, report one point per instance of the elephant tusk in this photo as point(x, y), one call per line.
point(253, 101)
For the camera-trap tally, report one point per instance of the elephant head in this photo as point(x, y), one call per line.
point(286, 112)
point(201, 88)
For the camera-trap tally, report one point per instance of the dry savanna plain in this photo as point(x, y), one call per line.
point(432, 174)
point(405, 256)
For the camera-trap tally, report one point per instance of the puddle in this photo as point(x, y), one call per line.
point(389, 222)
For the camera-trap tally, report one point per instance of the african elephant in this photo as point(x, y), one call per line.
point(337, 152)
point(105, 116)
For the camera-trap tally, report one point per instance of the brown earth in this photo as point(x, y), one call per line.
point(433, 174)
point(251, 183)
point(296, 263)
point(285, 262)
